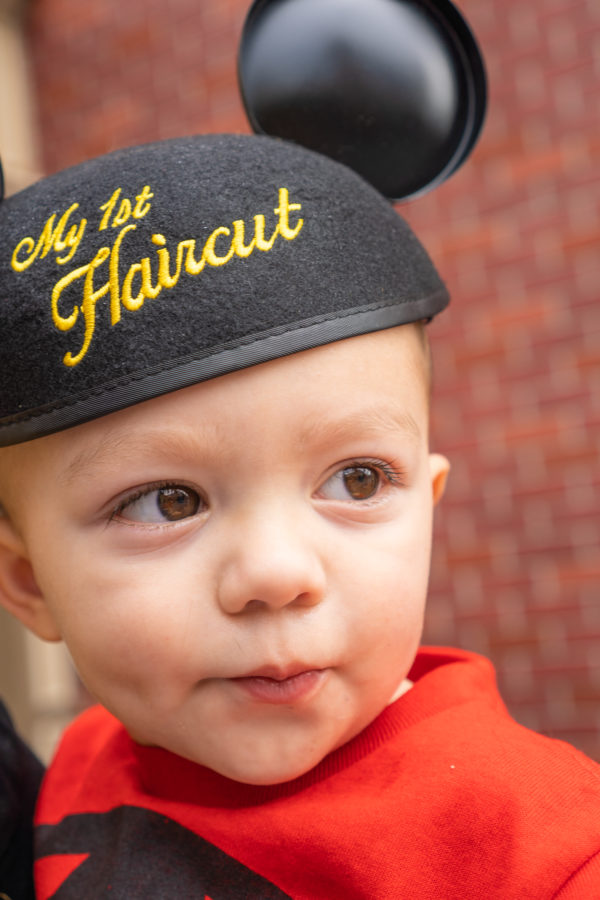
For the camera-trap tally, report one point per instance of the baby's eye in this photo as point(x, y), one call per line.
point(158, 505)
point(352, 483)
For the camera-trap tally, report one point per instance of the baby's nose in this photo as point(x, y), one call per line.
point(272, 561)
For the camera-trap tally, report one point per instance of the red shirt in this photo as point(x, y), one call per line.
point(443, 796)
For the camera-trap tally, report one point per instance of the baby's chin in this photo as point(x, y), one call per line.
point(267, 778)
point(268, 771)
point(261, 766)
point(269, 762)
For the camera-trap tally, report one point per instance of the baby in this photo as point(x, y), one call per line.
point(218, 490)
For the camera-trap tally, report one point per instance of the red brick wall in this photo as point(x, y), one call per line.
point(516, 235)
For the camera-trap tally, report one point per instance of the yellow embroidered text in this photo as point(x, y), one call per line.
point(125, 210)
point(144, 280)
point(53, 237)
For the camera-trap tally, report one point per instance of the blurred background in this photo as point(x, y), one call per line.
point(515, 234)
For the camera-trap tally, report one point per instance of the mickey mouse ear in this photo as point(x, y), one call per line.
point(395, 89)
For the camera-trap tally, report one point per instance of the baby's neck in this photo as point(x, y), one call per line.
point(402, 688)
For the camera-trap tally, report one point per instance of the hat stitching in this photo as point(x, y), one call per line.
point(233, 345)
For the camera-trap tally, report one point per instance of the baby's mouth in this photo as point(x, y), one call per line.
point(281, 686)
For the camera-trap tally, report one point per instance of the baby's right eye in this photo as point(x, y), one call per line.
point(157, 505)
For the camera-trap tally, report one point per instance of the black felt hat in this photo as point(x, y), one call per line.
point(160, 266)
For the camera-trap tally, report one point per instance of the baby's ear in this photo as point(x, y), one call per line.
point(439, 469)
point(19, 591)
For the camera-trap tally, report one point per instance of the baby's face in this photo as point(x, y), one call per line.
point(240, 568)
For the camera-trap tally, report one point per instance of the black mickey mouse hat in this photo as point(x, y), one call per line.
point(160, 266)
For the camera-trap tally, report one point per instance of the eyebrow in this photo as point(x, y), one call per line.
point(156, 442)
point(186, 445)
point(365, 423)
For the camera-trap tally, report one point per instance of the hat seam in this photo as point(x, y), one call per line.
point(108, 387)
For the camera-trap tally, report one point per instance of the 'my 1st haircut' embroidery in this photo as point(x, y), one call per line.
point(221, 246)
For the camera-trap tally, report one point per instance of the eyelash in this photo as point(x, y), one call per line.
point(392, 475)
point(143, 492)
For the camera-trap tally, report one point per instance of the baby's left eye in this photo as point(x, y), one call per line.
point(358, 482)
